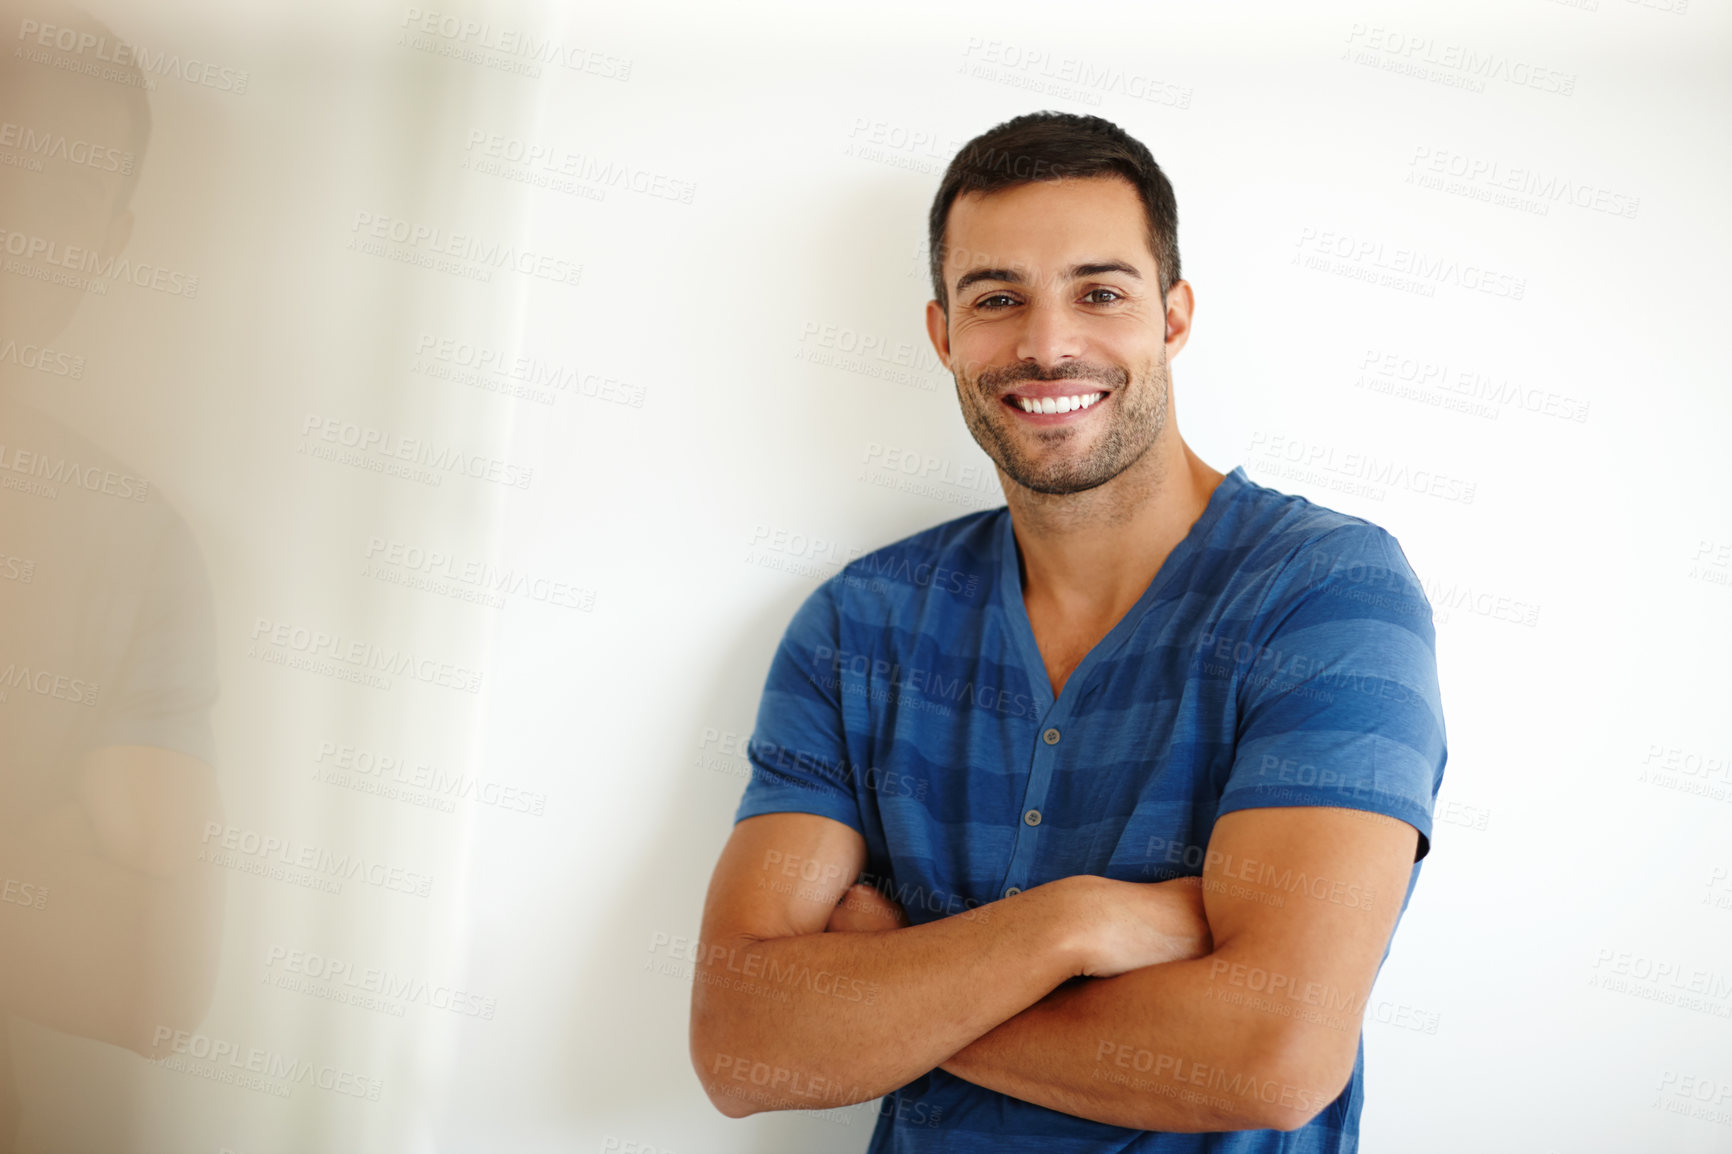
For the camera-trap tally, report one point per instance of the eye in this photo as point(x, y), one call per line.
point(986, 302)
point(1114, 293)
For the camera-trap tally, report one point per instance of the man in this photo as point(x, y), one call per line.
point(1035, 728)
point(109, 927)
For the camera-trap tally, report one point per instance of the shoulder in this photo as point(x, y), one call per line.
point(954, 562)
point(973, 536)
point(1274, 527)
point(1294, 550)
point(925, 581)
point(931, 576)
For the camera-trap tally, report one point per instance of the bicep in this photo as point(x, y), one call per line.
point(1301, 901)
point(780, 875)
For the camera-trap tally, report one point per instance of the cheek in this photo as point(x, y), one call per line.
point(970, 364)
point(985, 330)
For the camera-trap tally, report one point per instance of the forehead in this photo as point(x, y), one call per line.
point(1047, 223)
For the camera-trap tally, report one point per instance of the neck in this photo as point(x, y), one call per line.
point(1092, 554)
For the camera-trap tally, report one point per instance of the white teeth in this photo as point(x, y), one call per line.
point(1057, 404)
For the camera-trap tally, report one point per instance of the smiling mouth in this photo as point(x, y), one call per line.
point(1068, 404)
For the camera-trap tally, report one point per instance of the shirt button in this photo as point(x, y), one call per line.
point(1032, 817)
point(1012, 891)
point(1050, 737)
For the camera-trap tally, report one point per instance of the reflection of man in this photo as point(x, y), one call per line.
point(108, 928)
point(1165, 673)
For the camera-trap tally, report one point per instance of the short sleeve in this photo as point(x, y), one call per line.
point(166, 683)
point(798, 749)
point(1338, 695)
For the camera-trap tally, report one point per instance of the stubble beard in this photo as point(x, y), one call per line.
point(1140, 415)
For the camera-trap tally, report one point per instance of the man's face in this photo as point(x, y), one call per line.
point(1057, 334)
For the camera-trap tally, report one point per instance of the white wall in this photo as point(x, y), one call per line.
point(724, 444)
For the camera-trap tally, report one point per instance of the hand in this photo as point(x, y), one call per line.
point(864, 910)
point(1129, 925)
point(1188, 925)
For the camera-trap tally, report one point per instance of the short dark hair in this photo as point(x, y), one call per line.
point(1055, 146)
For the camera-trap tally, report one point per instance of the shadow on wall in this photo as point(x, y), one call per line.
point(109, 927)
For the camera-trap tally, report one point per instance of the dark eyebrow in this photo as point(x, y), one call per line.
point(1083, 270)
point(1011, 276)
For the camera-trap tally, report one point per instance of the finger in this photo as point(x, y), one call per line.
point(863, 908)
point(874, 905)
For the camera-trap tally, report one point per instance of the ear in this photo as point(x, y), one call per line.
point(938, 329)
point(1180, 303)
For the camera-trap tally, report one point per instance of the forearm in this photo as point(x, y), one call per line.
point(829, 1019)
point(1261, 1031)
point(1182, 1047)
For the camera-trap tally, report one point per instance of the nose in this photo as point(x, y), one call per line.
point(1050, 333)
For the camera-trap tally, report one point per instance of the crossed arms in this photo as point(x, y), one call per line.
point(1235, 1004)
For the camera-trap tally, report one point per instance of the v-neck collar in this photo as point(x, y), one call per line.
point(1016, 613)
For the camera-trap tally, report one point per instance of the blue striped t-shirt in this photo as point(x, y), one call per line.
point(1283, 655)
